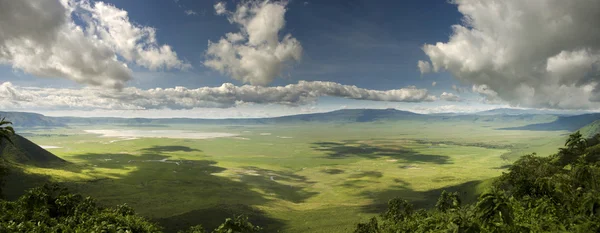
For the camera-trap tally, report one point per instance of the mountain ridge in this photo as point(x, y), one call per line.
point(27, 120)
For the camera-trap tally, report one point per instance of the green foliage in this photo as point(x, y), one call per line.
point(51, 208)
point(398, 209)
point(3, 173)
point(560, 193)
point(194, 229)
point(371, 227)
point(6, 130)
point(239, 224)
point(448, 201)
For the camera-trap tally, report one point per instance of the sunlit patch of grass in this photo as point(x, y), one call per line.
point(58, 175)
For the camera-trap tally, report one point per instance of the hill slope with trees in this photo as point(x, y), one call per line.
point(559, 193)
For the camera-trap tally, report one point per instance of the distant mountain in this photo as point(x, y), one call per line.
point(350, 115)
point(570, 123)
point(27, 120)
point(516, 111)
point(26, 152)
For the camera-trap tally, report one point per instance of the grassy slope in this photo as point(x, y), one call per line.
point(27, 153)
point(291, 184)
point(21, 156)
point(590, 129)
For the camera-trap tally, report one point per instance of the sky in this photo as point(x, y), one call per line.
point(222, 59)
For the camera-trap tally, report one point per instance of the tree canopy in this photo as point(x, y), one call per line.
point(559, 193)
point(6, 130)
point(51, 208)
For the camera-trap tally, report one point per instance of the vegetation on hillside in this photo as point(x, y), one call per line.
point(51, 208)
point(559, 193)
point(22, 151)
point(6, 131)
point(590, 129)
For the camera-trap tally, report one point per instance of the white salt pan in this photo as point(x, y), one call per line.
point(131, 134)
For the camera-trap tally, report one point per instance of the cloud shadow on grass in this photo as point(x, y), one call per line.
point(371, 174)
point(214, 216)
point(268, 181)
point(17, 181)
point(333, 171)
point(420, 199)
point(180, 193)
point(162, 149)
point(337, 150)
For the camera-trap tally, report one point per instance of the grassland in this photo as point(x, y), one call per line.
point(289, 178)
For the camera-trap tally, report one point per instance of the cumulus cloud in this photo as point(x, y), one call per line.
point(220, 8)
point(255, 54)
point(424, 67)
point(433, 84)
point(450, 97)
point(459, 89)
point(190, 12)
point(541, 53)
point(134, 43)
point(225, 96)
point(48, 42)
point(451, 109)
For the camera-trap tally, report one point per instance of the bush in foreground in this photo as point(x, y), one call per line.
point(51, 208)
point(559, 193)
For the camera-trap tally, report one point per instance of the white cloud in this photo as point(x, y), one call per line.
point(424, 67)
point(459, 89)
point(190, 12)
point(135, 43)
point(433, 84)
point(221, 8)
point(539, 53)
point(48, 43)
point(225, 96)
point(254, 55)
point(451, 109)
point(450, 97)
point(489, 95)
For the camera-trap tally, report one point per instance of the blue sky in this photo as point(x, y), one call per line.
point(373, 45)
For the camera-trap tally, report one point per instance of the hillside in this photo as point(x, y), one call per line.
point(26, 152)
point(515, 111)
point(570, 123)
point(350, 115)
point(27, 120)
point(590, 129)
